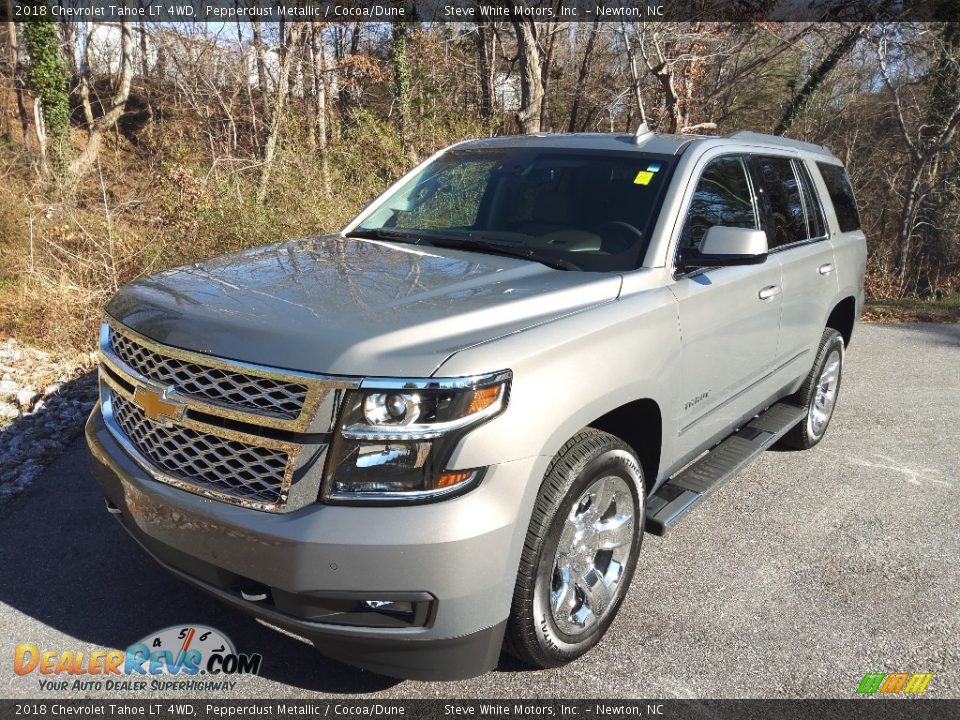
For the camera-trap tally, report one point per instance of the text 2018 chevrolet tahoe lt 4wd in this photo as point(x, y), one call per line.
point(446, 428)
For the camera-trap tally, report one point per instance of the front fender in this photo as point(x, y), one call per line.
point(569, 372)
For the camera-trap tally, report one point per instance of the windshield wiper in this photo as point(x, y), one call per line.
point(473, 242)
point(384, 234)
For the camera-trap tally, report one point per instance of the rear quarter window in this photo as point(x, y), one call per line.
point(841, 195)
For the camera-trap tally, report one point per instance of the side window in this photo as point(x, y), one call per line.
point(785, 220)
point(816, 227)
point(841, 195)
point(722, 197)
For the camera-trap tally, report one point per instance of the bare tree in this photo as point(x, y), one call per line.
point(291, 33)
point(593, 33)
point(486, 55)
point(318, 54)
point(401, 82)
point(547, 34)
point(16, 67)
point(817, 76)
point(531, 81)
point(929, 137)
point(660, 64)
point(258, 50)
point(97, 126)
point(634, 75)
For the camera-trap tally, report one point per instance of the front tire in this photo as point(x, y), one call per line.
point(818, 394)
point(580, 552)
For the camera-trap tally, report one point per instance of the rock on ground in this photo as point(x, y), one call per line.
point(35, 425)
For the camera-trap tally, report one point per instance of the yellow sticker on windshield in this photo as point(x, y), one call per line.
point(643, 178)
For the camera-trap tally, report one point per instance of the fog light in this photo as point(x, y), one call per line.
point(402, 607)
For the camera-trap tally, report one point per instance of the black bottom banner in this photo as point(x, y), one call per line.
point(192, 709)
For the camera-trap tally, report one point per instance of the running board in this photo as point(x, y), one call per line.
point(680, 494)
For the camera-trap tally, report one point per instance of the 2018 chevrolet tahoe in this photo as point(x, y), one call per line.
point(446, 428)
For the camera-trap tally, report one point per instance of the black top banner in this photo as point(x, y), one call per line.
point(483, 10)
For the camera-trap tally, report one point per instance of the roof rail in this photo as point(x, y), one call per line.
point(777, 140)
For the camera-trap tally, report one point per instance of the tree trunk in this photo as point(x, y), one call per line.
point(118, 103)
point(258, 52)
point(486, 54)
point(319, 56)
point(401, 84)
point(40, 127)
point(287, 53)
point(671, 102)
point(582, 76)
point(345, 90)
point(16, 65)
point(531, 86)
point(145, 69)
point(47, 77)
point(903, 257)
point(546, 66)
point(634, 75)
point(355, 39)
point(68, 34)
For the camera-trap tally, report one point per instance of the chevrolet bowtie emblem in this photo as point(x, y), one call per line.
point(156, 406)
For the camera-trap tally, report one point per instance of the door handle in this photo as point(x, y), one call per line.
point(769, 291)
point(825, 269)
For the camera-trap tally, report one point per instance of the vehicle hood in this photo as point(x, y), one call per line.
point(351, 307)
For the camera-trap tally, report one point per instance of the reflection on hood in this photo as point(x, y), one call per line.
point(351, 307)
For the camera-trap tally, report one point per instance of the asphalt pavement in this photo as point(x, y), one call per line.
point(803, 573)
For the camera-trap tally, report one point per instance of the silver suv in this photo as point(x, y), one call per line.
point(446, 428)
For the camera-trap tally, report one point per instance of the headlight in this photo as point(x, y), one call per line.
point(395, 437)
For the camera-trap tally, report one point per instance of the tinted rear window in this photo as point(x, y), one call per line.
point(841, 195)
point(786, 221)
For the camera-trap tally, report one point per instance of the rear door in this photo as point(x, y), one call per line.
point(798, 239)
point(849, 242)
point(729, 316)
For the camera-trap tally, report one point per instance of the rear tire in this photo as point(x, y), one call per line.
point(818, 394)
point(580, 552)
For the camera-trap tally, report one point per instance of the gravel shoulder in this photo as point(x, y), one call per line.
point(44, 399)
point(800, 575)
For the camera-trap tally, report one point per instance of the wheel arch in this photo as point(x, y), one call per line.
point(843, 317)
point(639, 424)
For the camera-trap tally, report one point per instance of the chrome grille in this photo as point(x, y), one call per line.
point(261, 395)
point(225, 466)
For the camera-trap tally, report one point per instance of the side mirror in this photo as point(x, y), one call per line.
point(724, 246)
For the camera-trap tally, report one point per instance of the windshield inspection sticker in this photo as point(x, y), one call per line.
point(643, 178)
point(653, 167)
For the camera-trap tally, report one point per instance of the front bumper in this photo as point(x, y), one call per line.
point(460, 556)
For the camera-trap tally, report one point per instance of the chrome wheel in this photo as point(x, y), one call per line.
point(825, 395)
point(595, 544)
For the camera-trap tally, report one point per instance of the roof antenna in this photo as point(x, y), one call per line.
point(641, 133)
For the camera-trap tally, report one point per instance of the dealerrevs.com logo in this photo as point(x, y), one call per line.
point(171, 659)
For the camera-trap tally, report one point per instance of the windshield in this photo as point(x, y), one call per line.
point(572, 209)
